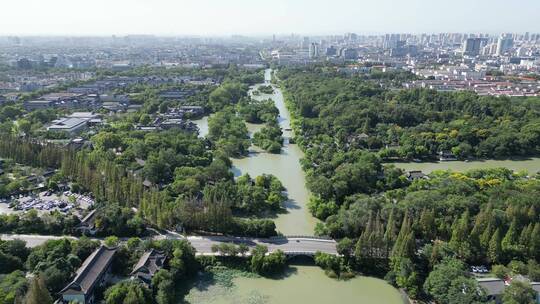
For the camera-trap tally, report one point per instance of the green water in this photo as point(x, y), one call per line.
point(286, 166)
point(302, 284)
point(531, 165)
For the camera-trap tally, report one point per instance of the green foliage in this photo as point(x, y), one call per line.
point(111, 241)
point(255, 111)
point(533, 271)
point(13, 287)
point(321, 209)
point(227, 94)
point(266, 89)
point(267, 264)
point(164, 287)
point(128, 292)
point(112, 219)
point(269, 138)
point(229, 133)
point(265, 192)
point(519, 293)
point(448, 283)
point(500, 271)
point(54, 223)
point(421, 122)
point(37, 292)
point(334, 266)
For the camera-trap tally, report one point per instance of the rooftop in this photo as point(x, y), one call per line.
point(90, 271)
point(67, 123)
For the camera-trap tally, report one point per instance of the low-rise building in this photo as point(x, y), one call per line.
point(38, 104)
point(176, 94)
point(69, 125)
point(87, 226)
point(495, 288)
point(415, 174)
point(93, 273)
point(148, 265)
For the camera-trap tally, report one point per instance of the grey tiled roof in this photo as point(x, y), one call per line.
point(91, 271)
point(150, 263)
point(492, 286)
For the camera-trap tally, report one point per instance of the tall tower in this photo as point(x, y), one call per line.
point(313, 50)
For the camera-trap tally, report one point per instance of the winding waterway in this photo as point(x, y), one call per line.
point(286, 166)
point(302, 283)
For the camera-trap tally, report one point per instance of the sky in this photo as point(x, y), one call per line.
point(255, 17)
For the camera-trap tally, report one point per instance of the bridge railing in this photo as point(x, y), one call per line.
point(301, 237)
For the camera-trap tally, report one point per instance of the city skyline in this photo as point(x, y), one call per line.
point(215, 18)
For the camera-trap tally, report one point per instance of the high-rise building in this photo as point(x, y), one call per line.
point(504, 44)
point(472, 46)
point(313, 50)
point(350, 54)
point(305, 43)
point(331, 51)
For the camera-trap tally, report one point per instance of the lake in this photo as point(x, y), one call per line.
point(302, 284)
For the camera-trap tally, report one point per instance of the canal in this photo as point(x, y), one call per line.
point(301, 283)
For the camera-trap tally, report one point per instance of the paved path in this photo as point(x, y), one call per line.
point(32, 240)
point(203, 244)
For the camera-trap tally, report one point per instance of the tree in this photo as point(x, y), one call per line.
point(533, 271)
point(330, 263)
point(274, 263)
point(163, 285)
point(345, 247)
point(510, 242)
point(534, 246)
point(460, 237)
point(243, 249)
point(37, 292)
point(519, 293)
point(24, 126)
point(128, 292)
point(442, 283)
point(495, 251)
point(500, 271)
point(111, 241)
point(257, 258)
point(13, 288)
point(466, 291)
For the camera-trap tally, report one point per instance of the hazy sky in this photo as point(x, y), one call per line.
point(224, 17)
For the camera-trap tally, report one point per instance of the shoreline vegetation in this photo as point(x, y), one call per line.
point(420, 233)
point(382, 218)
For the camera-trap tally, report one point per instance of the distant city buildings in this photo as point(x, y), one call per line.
point(504, 44)
point(314, 50)
point(473, 46)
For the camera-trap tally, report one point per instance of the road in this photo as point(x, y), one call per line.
point(289, 245)
point(203, 244)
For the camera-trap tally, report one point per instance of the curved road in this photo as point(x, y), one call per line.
point(203, 244)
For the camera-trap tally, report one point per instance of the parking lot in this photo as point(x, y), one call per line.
point(45, 202)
